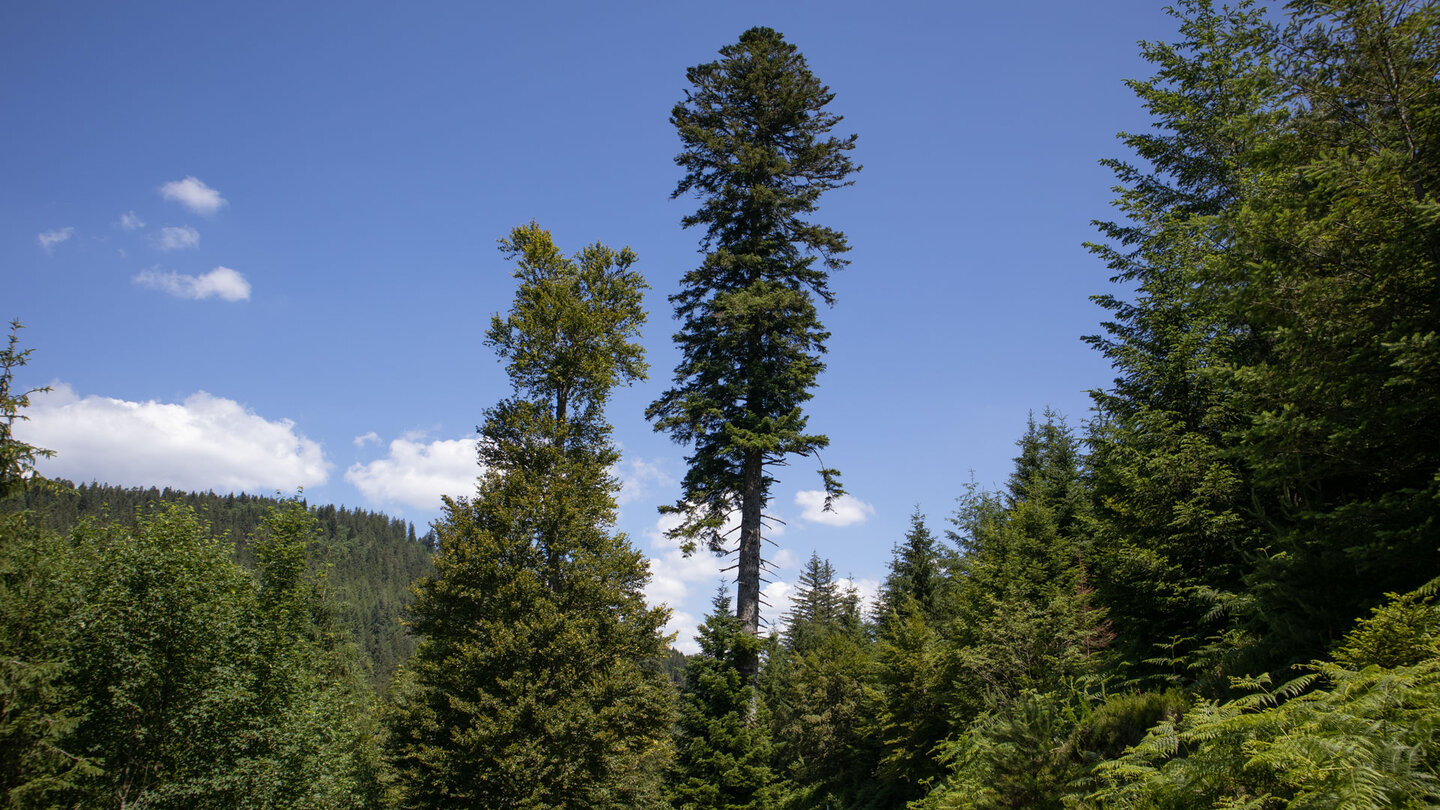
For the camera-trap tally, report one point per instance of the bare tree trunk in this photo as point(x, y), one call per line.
point(747, 601)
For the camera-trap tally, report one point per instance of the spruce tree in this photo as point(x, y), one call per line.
point(538, 681)
point(1336, 268)
point(758, 154)
point(1171, 524)
point(816, 691)
point(722, 756)
point(1265, 467)
point(915, 574)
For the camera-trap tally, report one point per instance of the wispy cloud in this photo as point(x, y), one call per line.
point(49, 239)
point(206, 442)
point(130, 221)
point(416, 473)
point(193, 194)
point(845, 510)
point(368, 438)
point(222, 282)
point(638, 477)
point(175, 238)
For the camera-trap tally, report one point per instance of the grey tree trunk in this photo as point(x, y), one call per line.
point(747, 601)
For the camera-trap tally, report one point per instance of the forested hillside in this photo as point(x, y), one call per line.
point(1221, 589)
point(371, 559)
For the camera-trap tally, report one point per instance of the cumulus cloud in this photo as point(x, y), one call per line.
point(222, 282)
point(777, 598)
point(672, 573)
point(846, 510)
point(368, 438)
point(638, 478)
point(173, 238)
point(674, 577)
point(130, 221)
point(50, 239)
point(193, 194)
point(416, 473)
point(206, 442)
point(682, 627)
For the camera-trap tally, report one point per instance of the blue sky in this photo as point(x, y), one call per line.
point(254, 244)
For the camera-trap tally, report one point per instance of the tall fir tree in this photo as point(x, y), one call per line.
point(1265, 466)
point(1171, 525)
point(758, 153)
point(538, 679)
point(17, 459)
point(37, 704)
point(1336, 267)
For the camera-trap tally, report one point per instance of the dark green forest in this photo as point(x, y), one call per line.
point(370, 559)
point(1219, 589)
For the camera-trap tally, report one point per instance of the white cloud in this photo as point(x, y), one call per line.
point(674, 577)
point(193, 194)
point(173, 238)
point(368, 438)
point(50, 239)
point(867, 587)
point(637, 477)
point(672, 573)
point(206, 442)
point(222, 282)
point(130, 221)
point(682, 626)
point(416, 473)
point(778, 596)
point(846, 510)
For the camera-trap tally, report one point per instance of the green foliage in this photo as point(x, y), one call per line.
point(722, 740)
point(1335, 266)
point(569, 335)
point(1012, 757)
point(916, 573)
point(1024, 616)
point(169, 677)
point(1403, 631)
point(371, 558)
point(913, 702)
point(538, 681)
point(1266, 464)
point(817, 688)
point(820, 607)
point(758, 153)
point(1171, 517)
point(1335, 737)
point(17, 459)
point(142, 666)
point(38, 711)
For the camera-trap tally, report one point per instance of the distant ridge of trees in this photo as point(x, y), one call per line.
point(372, 557)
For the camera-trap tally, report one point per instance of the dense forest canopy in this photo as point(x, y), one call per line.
point(1220, 590)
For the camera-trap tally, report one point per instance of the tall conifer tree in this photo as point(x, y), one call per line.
point(758, 153)
point(538, 679)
